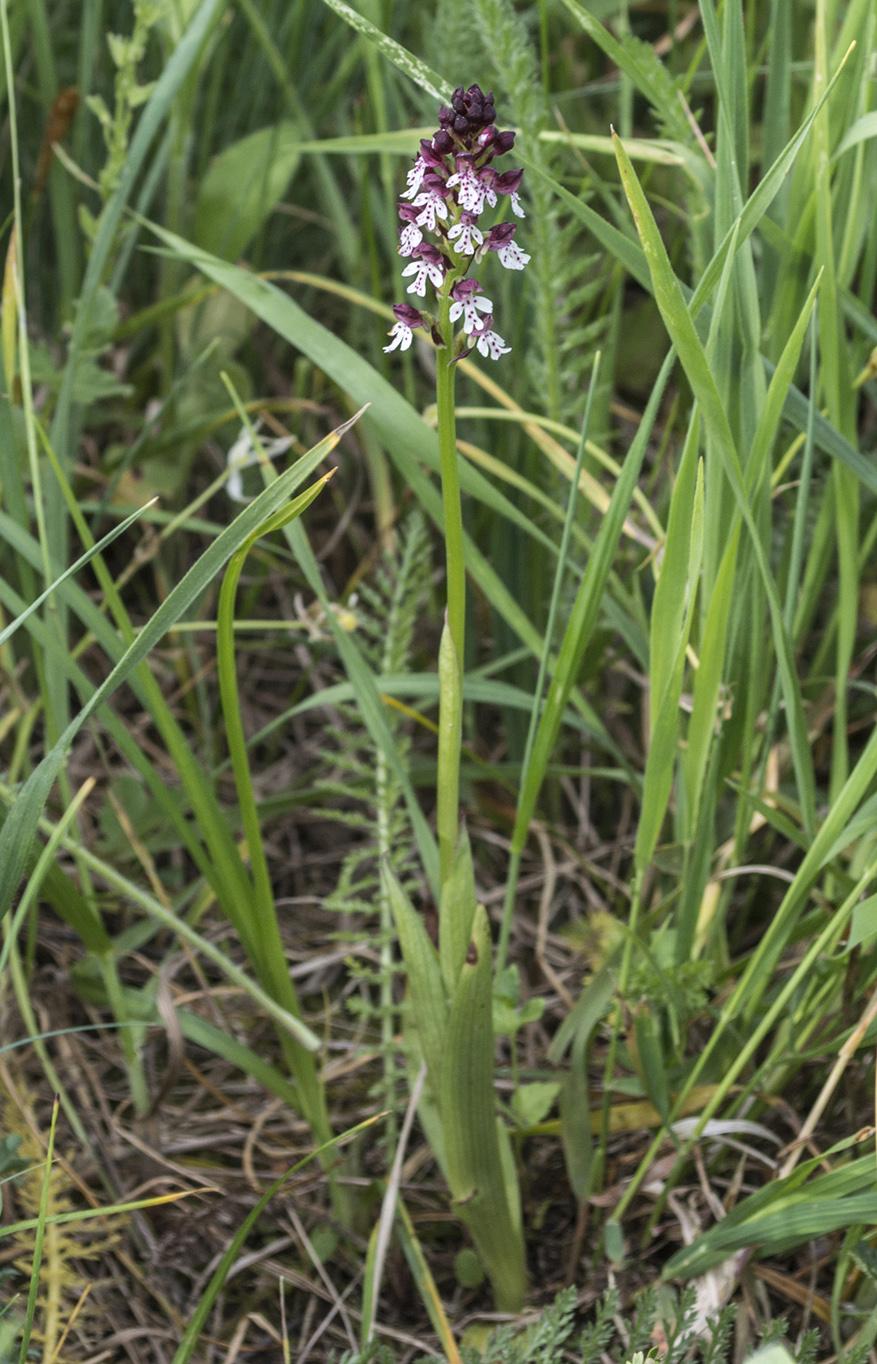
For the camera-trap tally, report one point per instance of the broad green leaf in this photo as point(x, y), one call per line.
point(863, 926)
point(532, 1102)
point(425, 985)
point(242, 187)
point(456, 912)
point(474, 1161)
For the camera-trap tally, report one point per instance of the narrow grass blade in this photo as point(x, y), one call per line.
point(84, 559)
point(661, 760)
point(38, 1243)
point(196, 1325)
point(21, 822)
point(678, 321)
point(584, 614)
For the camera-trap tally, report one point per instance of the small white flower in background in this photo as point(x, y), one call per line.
point(243, 453)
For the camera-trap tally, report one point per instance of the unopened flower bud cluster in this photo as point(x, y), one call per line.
point(452, 179)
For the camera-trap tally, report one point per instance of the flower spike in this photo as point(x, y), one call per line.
point(452, 180)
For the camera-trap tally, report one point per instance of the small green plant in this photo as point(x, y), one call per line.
point(127, 53)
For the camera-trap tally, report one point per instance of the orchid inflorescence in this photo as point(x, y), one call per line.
point(448, 186)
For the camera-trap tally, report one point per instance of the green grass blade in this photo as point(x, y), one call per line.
point(20, 825)
point(678, 321)
point(199, 1317)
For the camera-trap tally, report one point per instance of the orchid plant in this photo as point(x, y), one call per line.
point(449, 1030)
point(451, 182)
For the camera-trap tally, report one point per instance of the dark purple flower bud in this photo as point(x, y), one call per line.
point(429, 155)
point(408, 213)
point(500, 235)
point(464, 288)
point(403, 312)
point(458, 93)
point(431, 253)
point(509, 182)
point(503, 142)
point(434, 183)
point(461, 124)
point(486, 137)
point(459, 104)
point(443, 142)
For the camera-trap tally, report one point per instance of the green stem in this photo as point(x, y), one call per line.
point(448, 782)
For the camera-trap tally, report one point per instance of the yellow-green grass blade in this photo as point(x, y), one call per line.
point(40, 1228)
point(426, 1285)
point(661, 760)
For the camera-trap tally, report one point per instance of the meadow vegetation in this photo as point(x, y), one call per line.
point(377, 980)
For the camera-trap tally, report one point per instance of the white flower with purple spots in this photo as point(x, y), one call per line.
point(471, 188)
point(403, 336)
point(415, 178)
point(470, 236)
point(491, 343)
point(433, 206)
point(423, 269)
point(512, 257)
point(451, 180)
point(410, 238)
point(402, 333)
point(470, 303)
